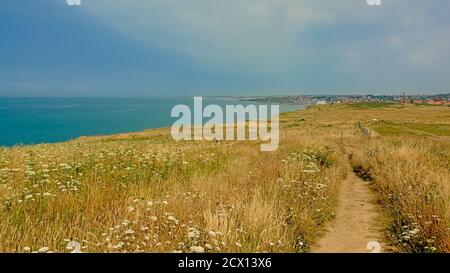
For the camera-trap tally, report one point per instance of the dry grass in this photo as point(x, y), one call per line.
point(145, 192)
point(407, 160)
point(414, 186)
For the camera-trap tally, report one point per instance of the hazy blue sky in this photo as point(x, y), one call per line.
point(222, 47)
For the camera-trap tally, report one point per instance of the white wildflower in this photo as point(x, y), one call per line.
point(193, 233)
point(74, 246)
point(43, 249)
point(171, 218)
point(130, 231)
point(197, 249)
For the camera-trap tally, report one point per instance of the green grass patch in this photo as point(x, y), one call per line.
point(388, 128)
point(369, 105)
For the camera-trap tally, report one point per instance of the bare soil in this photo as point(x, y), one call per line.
point(357, 227)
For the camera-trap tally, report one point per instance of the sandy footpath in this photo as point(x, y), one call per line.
point(356, 228)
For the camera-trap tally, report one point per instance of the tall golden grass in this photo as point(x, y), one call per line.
point(143, 192)
point(134, 195)
point(414, 186)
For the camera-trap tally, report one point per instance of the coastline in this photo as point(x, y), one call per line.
point(107, 130)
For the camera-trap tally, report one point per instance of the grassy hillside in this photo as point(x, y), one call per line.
point(145, 192)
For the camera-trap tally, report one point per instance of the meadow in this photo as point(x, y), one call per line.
point(144, 192)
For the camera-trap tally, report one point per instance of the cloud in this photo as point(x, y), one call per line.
point(241, 34)
point(204, 26)
point(320, 44)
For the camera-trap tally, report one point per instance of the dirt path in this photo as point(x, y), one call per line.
point(356, 223)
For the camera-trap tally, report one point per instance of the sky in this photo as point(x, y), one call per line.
point(160, 48)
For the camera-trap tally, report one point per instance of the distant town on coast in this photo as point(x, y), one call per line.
point(430, 99)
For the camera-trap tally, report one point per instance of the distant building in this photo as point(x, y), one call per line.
point(439, 101)
point(321, 102)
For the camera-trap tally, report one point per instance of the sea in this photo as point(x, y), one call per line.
point(25, 121)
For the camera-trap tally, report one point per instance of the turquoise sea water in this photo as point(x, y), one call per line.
point(32, 121)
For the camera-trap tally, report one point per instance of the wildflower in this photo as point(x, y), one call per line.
point(193, 233)
point(30, 173)
point(238, 244)
point(43, 249)
point(74, 246)
point(171, 218)
point(144, 228)
point(414, 231)
point(65, 166)
point(154, 218)
point(129, 231)
point(119, 245)
point(196, 249)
